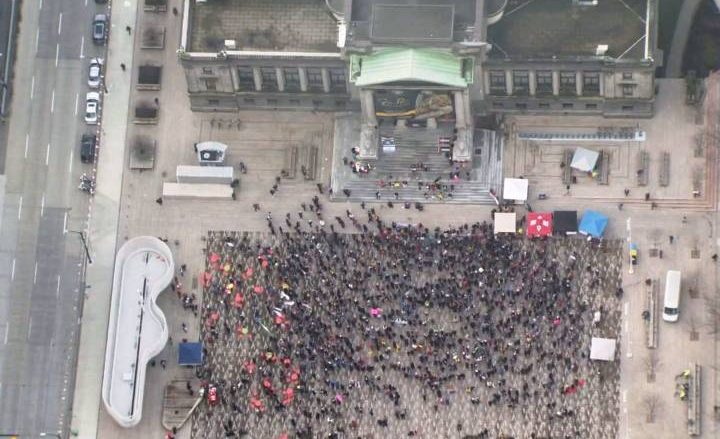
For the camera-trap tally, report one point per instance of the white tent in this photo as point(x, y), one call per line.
point(505, 222)
point(603, 349)
point(584, 160)
point(515, 189)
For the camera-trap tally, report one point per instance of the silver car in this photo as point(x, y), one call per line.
point(92, 105)
point(95, 72)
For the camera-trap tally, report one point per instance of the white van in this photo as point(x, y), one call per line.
point(671, 303)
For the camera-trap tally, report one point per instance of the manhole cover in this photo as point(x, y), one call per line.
point(695, 254)
point(653, 253)
point(694, 336)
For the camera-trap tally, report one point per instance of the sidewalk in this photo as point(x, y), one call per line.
point(102, 229)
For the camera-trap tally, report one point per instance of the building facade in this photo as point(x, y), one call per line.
point(384, 57)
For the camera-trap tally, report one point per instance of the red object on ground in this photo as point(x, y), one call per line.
point(212, 395)
point(239, 300)
point(288, 396)
point(249, 367)
point(257, 404)
point(259, 289)
point(214, 257)
point(539, 224)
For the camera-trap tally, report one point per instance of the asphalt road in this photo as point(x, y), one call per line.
point(41, 259)
point(5, 61)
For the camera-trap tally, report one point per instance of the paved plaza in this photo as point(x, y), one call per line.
point(408, 332)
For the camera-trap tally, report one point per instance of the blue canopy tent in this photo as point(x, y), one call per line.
point(593, 223)
point(190, 354)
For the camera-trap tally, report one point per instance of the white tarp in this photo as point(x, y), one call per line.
point(603, 349)
point(584, 160)
point(505, 222)
point(515, 189)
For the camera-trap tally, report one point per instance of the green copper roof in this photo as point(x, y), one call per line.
point(411, 65)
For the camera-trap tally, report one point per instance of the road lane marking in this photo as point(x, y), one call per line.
point(42, 205)
point(7, 331)
point(52, 102)
point(57, 53)
point(41, 1)
point(60, 24)
point(20, 207)
point(35, 274)
point(37, 39)
point(32, 88)
point(57, 290)
point(47, 156)
point(27, 144)
point(64, 226)
point(29, 328)
point(82, 45)
point(77, 97)
point(12, 271)
point(71, 162)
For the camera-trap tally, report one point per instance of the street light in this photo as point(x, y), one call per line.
point(57, 435)
point(84, 243)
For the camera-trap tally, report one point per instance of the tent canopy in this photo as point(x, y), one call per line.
point(515, 189)
point(505, 222)
point(539, 224)
point(584, 160)
point(593, 223)
point(603, 349)
point(190, 354)
point(565, 222)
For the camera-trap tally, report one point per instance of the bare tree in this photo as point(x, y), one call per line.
point(712, 314)
point(652, 404)
point(692, 324)
point(651, 364)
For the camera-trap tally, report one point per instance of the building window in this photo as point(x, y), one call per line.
point(498, 105)
point(521, 106)
point(627, 91)
point(316, 103)
point(269, 78)
point(521, 82)
point(246, 78)
point(337, 80)
point(591, 106)
point(213, 102)
point(314, 79)
point(272, 102)
point(207, 71)
point(340, 104)
point(249, 101)
point(497, 82)
point(567, 106)
point(543, 82)
point(591, 83)
point(567, 83)
point(295, 102)
point(292, 79)
point(544, 105)
point(627, 76)
point(628, 108)
point(210, 84)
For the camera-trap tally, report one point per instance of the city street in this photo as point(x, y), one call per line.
point(41, 257)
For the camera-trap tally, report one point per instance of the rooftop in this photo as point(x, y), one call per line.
point(546, 28)
point(271, 25)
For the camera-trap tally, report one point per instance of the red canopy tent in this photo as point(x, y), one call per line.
point(539, 224)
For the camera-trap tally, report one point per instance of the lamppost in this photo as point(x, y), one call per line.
point(57, 435)
point(84, 243)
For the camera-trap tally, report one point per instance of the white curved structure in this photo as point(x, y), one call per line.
point(137, 330)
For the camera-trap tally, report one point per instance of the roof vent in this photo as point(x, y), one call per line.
point(230, 44)
point(601, 49)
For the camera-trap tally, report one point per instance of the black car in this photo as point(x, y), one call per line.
point(99, 28)
point(87, 148)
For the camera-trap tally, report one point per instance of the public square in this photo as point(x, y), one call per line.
point(401, 331)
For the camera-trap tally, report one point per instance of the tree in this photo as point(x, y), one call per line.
point(712, 314)
point(652, 405)
point(651, 363)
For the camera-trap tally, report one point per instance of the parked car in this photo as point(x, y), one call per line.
point(92, 102)
point(95, 72)
point(87, 148)
point(99, 28)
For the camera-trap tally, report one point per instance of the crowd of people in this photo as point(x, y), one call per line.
point(355, 327)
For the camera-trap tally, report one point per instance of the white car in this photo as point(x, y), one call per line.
point(95, 72)
point(92, 104)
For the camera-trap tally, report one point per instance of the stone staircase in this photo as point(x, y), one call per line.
point(466, 192)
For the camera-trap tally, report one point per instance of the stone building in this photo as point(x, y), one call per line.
point(422, 59)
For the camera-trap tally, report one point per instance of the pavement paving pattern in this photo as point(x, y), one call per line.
point(406, 332)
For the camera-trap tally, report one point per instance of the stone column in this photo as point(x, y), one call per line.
point(280, 75)
point(486, 82)
point(461, 148)
point(326, 80)
point(601, 83)
point(369, 136)
point(508, 82)
point(302, 74)
point(556, 82)
point(258, 78)
point(235, 78)
point(531, 82)
point(578, 83)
